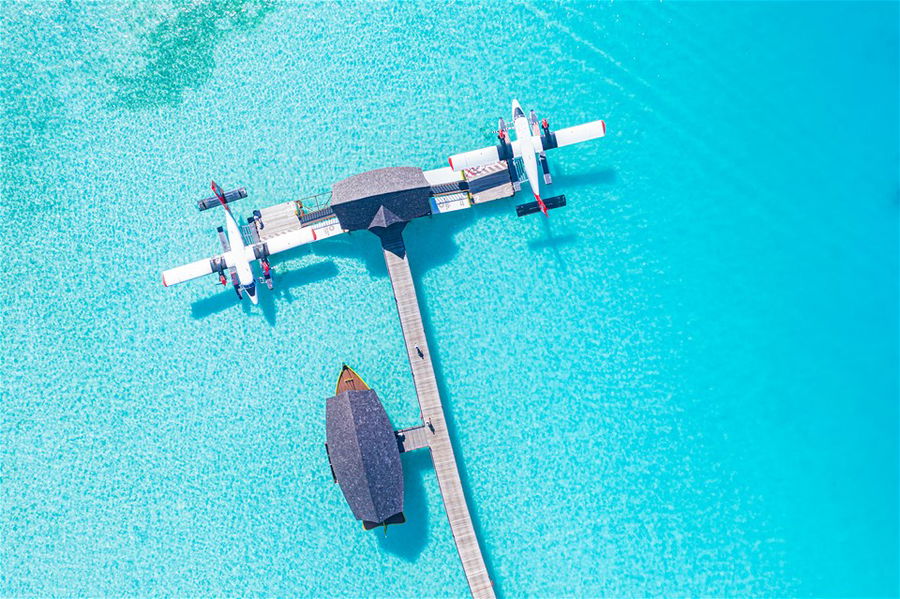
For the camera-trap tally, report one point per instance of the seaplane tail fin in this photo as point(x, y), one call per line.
point(220, 195)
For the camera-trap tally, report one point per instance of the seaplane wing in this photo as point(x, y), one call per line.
point(284, 242)
point(275, 245)
point(194, 270)
point(579, 133)
point(491, 154)
point(482, 157)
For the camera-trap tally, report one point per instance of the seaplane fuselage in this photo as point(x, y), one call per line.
point(526, 147)
point(237, 258)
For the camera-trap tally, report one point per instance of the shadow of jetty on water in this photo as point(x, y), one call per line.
point(430, 240)
point(409, 539)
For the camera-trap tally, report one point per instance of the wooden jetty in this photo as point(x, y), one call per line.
point(433, 415)
point(383, 201)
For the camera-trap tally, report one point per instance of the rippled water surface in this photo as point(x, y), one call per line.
point(684, 383)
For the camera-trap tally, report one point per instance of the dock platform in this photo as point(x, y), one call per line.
point(288, 217)
point(413, 438)
point(432, 413)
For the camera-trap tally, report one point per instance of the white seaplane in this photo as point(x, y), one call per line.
point(237, 255)
point(530, 145)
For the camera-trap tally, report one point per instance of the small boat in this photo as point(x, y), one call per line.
point(350, 381)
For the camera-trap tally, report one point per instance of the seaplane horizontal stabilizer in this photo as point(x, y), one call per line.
point(230, 196)
point(532, 207)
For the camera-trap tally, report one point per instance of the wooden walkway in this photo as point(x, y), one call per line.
point(433, 414)
point(413, 438)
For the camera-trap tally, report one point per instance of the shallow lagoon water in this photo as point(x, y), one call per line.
point(684, 383)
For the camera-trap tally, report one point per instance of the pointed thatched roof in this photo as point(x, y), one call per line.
point(364, 454)
point(384, 218)
point(386, 195)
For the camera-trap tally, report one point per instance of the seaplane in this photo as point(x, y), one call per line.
point(530, 145)
point(237, 255)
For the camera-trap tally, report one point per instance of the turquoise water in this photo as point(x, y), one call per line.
point(682, 384)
